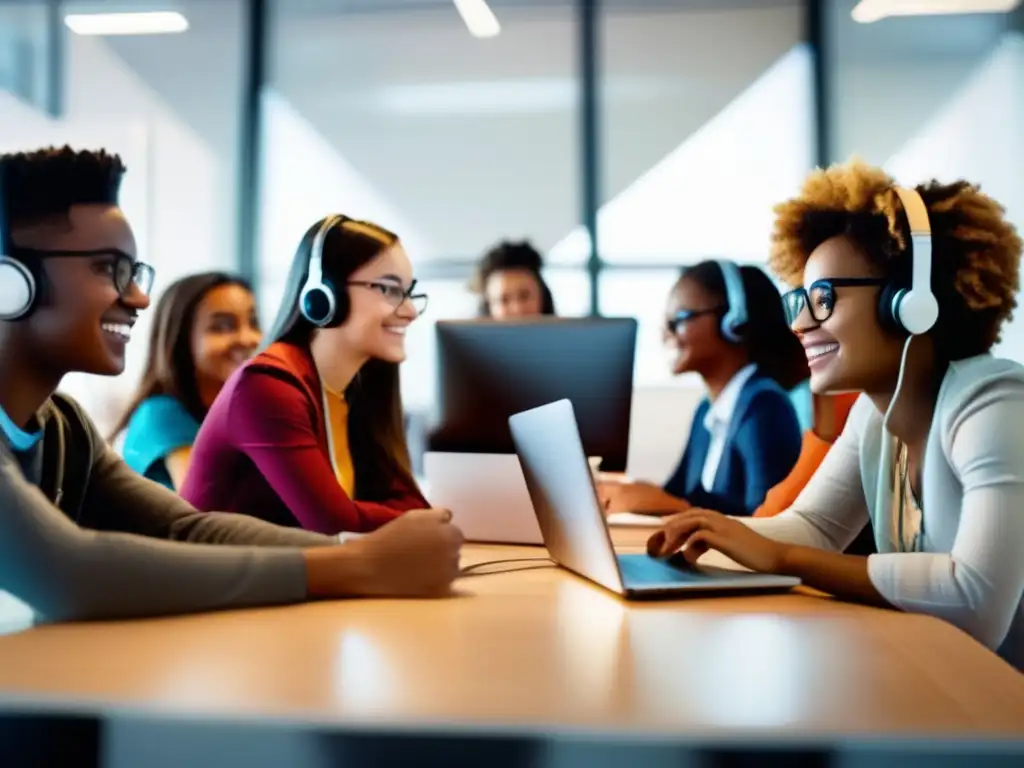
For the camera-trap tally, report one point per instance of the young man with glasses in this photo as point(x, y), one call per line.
point(80, 533)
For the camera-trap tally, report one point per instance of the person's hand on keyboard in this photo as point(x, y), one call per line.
point(695, 531)
point(639, 497)
point(415, 555)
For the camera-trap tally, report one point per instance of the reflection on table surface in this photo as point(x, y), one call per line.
point(538, 649)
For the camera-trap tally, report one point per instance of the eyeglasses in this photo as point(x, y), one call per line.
point(125, 271)
point(395, 294)
point(820, 297)
point(683, 316)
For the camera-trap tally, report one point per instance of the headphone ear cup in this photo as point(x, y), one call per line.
point(889, 299)
point(341, 306)
point(317, 305)
point(730, 331)
point(18, 289)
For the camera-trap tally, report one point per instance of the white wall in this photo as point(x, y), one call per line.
point(169, 191)
point(305, 178)
point(958, 142)
point(473, 140)
point(936, 97)
point(712, 194)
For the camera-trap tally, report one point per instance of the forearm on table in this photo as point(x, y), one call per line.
point(231, 528)
point(373, 515)
point(305, 482)
point(120, 500)
point(680, 503)
point(66, 574)
point(844, 576)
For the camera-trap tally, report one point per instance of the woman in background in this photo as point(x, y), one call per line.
point(205, 326)
point(510, 285)
point(310, 432)
point(727, 324)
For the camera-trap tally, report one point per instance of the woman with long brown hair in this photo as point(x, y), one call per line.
point(310, 432)
point(205, 328)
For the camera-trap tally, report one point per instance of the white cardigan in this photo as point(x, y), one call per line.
point(970, 571)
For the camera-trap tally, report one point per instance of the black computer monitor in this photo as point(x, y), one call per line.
point(489, 370)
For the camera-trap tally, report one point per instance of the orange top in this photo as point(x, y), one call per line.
point(813, 451)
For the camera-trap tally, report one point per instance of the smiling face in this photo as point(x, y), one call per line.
point(82, 324)
point(850, 351)
point(225, 332)
point(375, 326)
point(697, 342)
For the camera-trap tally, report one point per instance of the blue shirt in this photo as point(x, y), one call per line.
point(159, 427)
point(19, 440)
point(762, 444)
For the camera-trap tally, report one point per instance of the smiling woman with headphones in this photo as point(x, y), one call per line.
point(727, 324)
point(310, 432)
point(900, 294)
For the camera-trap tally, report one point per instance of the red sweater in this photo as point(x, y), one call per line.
point(262, 450)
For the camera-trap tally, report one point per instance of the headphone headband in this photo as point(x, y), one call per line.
point(736, 315)
point(316, 251)
point(317, 301)
point(917, 310)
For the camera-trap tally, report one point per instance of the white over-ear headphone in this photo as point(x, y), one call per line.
point(736, 315)
point(17, 284)
point(917, 309)
point(317, 302)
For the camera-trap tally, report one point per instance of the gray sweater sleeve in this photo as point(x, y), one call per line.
point(65, 573)
point(118, 499)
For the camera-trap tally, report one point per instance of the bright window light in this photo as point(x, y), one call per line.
point(479, 18)
point(867, 11)
point(154, 23)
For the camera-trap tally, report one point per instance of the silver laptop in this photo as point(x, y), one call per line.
point(571, 519)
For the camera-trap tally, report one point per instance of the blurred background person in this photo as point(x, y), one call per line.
point(204, 327)
point(510, 284)
point(745, 436)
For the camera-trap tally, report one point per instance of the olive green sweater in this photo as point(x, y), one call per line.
point(82, 536)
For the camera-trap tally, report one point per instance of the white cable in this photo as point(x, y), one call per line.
point(885, 454)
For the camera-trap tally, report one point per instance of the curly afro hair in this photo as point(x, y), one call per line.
point(976, 252)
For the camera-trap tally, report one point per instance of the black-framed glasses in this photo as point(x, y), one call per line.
point(683, 316)
point(395, 294)
point(125, 270)
point(820, 296)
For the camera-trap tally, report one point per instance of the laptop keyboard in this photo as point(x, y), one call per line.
point(641, 571)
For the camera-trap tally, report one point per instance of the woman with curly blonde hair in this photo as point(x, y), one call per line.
point(932, 456)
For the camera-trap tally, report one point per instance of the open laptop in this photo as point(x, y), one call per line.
point(571, 519)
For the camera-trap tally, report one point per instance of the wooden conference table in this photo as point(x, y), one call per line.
point(536, 650)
